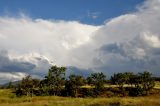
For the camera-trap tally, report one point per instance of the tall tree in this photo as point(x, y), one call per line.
point(27, 86)
point(119, 79)
point(122, 78)
point(98, 80)
point(128, 76)
point(73, 84)
point(145, 81)
point(55, 79)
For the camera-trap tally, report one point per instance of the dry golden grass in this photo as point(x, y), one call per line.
point(157, 85)
point(7, 98)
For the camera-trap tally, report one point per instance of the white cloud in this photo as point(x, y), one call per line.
point(152, 40)
point(51, 38)
point(137, 36)
point(128, 42)
point(5, 76)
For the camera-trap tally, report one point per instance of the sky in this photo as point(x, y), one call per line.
point(94, 12)
point(86, 36)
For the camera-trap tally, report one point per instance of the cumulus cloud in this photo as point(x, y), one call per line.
point(30, 45)
point(130, 42)
point(5, 77)
point(52, 38)
point(14, 68)
point(9, 65)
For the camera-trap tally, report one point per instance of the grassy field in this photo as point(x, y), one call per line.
point(7, 98)
point(157, 85)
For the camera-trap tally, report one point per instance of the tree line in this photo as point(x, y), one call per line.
point(55, 83)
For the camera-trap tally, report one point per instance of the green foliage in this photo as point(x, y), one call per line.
point(43, 87)
point(56, 84)
point(122, 78)
point(55, 80)
point(73, 85)
point(119, 79)
point(98, 80)
point(27, 86)
point(137, 91)
point(144, 82)
point(10, 85)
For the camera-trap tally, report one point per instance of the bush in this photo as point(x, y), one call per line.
point(87, 92)
point(98, 80)
point(138, 91)
point(108, 94)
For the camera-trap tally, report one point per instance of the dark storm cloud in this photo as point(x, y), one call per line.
point(9, 65)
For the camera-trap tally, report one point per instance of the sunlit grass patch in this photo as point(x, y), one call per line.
point(8, 98)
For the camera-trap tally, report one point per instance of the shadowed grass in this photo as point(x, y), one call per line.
point(7, 98)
